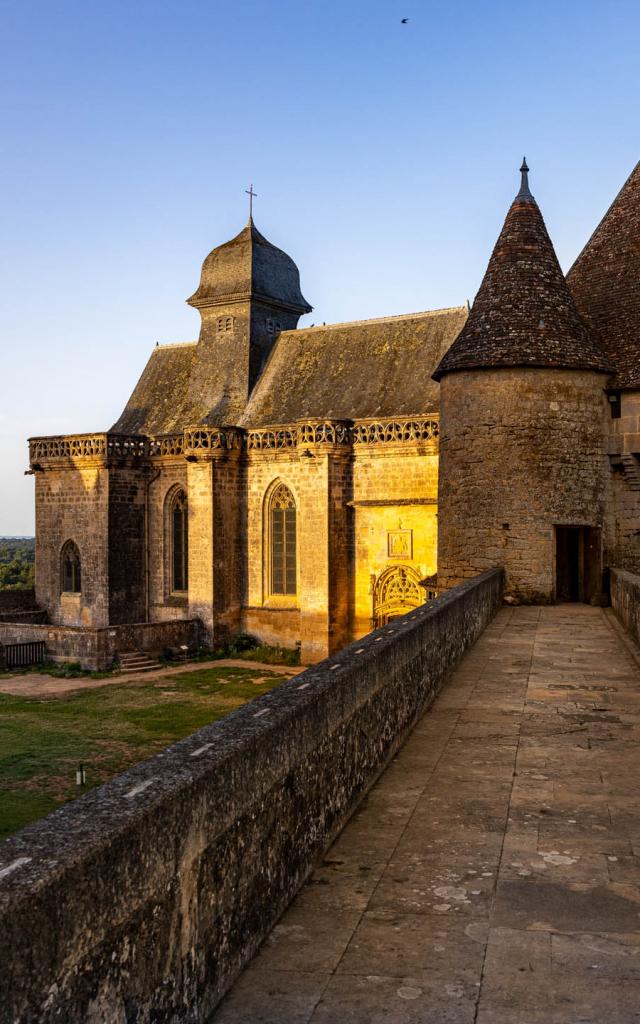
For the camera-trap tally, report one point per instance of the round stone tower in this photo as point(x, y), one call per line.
point(523, 474)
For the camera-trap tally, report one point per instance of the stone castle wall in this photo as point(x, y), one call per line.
point(521, 451)
point(97, 649)
point(394, 490)
point(623, 446)
point(72, 503)
point(167, 477)
point(112, 497)
point(143, 899)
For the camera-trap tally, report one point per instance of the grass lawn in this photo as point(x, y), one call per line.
point(42, 741)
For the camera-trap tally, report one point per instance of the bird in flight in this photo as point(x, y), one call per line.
point(404, 21)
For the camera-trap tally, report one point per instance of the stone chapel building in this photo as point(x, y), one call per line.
point(283, 481)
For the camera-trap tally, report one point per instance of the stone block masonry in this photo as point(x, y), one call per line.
point(625, 600)
point(143, 900)
point(97, 649)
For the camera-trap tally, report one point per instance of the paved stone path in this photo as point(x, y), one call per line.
point(492, 876)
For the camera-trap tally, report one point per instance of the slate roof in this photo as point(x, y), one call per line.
point(161, 401)
point(523, 314)
point(605, 282)
point(354, 370)
point(249, 266)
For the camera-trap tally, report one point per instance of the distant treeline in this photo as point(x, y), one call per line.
point(17, 557)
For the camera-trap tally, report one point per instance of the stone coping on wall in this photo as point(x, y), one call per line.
point(625, 600)
point(144, 899)
point(199, 440)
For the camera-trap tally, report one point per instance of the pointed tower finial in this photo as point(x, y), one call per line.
point(524, 193)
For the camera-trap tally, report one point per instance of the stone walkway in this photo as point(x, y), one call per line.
point(492, 876)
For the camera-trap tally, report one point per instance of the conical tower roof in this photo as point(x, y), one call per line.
point(249, 267)
point(523, 314)
point(605, 282)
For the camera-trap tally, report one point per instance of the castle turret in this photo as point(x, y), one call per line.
point(522, 470)
point(249, 291)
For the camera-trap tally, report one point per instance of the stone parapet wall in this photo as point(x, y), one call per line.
point(97, 649)
point(625, 600)
point(143, 899)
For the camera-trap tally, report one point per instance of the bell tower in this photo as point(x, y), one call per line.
point(249, 291)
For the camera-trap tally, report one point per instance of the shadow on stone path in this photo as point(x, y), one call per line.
point(492, 875)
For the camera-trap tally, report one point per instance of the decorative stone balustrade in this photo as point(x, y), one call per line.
point(87, 446)
point(166, 444)
point(210, 439)
point(375, 431)
point(200, 439)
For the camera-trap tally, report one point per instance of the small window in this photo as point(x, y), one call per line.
point(228, 324)
point(71, 576)
point(615, 405)
point(273, 326)
point(180, 543)
point(282, 514)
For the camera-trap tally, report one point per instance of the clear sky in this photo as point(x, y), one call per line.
point(384, 157)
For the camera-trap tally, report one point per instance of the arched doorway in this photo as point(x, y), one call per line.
point(396, 592)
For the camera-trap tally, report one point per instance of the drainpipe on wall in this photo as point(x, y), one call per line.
point(148, 483)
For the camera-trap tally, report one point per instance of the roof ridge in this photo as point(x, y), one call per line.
point(605, 216)
point(380, 319)
point(174, 344)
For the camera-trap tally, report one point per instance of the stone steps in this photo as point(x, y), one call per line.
point(631, 471)
point(136, 662)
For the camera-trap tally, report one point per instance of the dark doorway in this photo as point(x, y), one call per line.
point(578, 563)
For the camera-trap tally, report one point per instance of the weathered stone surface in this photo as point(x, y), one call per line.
point(625, 600)
point(142, 900)
point(467, 909)
point(521, 452)
point(98, 648)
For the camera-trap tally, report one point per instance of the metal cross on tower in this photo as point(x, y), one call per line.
point(252, 195)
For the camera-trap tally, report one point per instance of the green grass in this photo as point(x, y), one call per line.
point(42, 741)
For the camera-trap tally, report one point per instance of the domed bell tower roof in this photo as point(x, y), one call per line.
point(524, 314)
point(249, 267)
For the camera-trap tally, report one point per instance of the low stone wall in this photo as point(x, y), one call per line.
point(97, 649)
point(142, 900)
point(625, 600)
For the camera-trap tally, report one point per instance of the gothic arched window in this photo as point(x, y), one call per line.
point(71, 577)
point(179, 542)
point(282, 524)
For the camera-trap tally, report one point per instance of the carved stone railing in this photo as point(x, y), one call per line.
point(273, 439)
point(324, 432)
point(166, 444)
point(209, 439)
point(374, 431)
point(200, 440)
point(87, 446)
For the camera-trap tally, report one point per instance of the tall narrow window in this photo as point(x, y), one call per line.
point(71, 578)
point(282, 510)
point(180, 542)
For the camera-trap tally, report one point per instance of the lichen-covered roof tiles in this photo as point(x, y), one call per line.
point(161, 402)
point(524, 314)
point(605, 282)
point(355, 370)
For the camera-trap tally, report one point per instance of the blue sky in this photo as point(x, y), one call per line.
point(384, 157)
